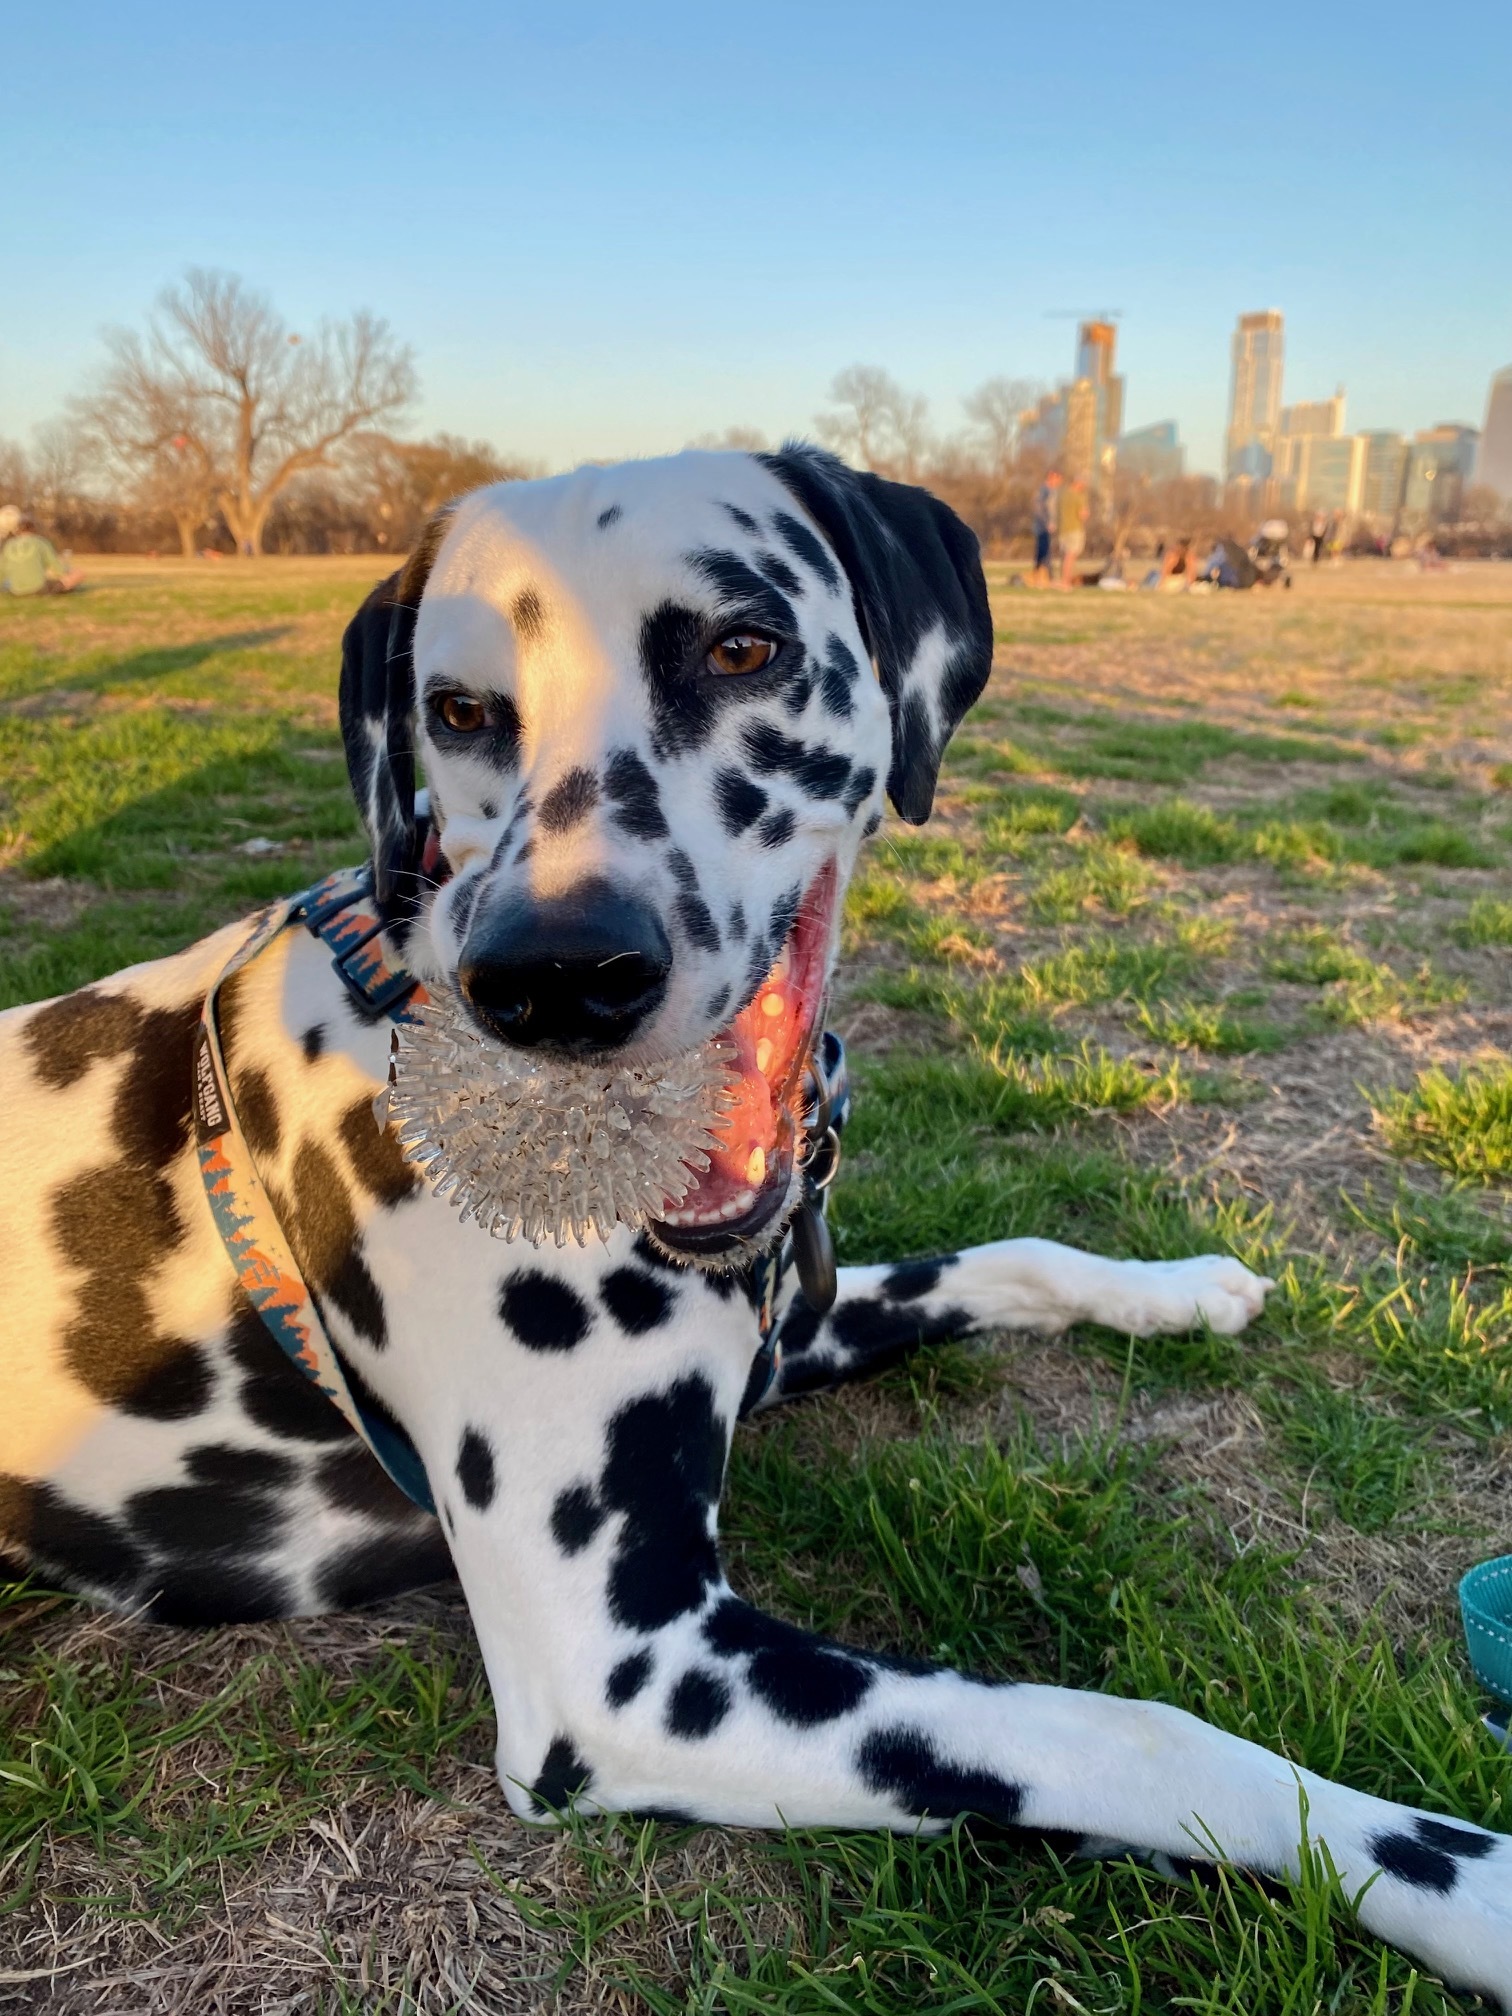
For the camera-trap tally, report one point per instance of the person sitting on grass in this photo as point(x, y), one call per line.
point(30, 564)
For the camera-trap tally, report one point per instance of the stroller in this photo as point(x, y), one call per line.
point(1268, 552)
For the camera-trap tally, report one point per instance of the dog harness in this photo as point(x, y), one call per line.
point(341, 911)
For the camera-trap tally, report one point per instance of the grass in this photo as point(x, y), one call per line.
point(1461, 1123)
point(1161, 976)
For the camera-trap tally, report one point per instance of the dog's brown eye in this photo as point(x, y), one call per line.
point(741, 651)
point(462, 713)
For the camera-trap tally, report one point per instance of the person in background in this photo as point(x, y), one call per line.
point(1046, 519)
point(1073, 528)
point(30, 565)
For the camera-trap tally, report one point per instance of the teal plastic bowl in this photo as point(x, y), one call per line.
point(1485, 1596)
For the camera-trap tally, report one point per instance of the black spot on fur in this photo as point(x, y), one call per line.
point(528, 616)
point(635, 796)
point(863, 783)
point(563, 1775)
point(737, 924)
point(475, 1469)
point(799, 1328)
point(684, 874)
point(216, 1518)
point(913, 1279)
point(610, 517)
point(784, 916)
point(798, 694)
point(744, 597)
point(371, 1571)
point(67, 1036)
point(684, 706)
point(544, 1313)
point(801, 541)
point(318, 1218)
point(837, 695)
point(817, 771)
point(1415, 1862)
point(875, 1327)
point(778, 572)
point(375, 1158)
point(742, 518)
point(221, 1590)
point(697, 920)
point(638, 1301)
point(569, 801)
point(665, 1461)
point(697, 1704)
point(1428, 1858)
point(47, 1529)
point(239, 1469)
point(802, 1679)
point(902, 1764)
point(777, 828)
point(1464, 1843)
point(575, 1518)
point(175, 1389)
point(740, 802)
point(872, 825)
point(716, 1004)
point(488, 809)
point(627, 1679)
point(313, 1042)
point(116, 1224)
point(353, 1480)
point(274, 1393)
point(258, 1111)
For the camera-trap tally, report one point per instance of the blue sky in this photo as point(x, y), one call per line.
point(607, 229)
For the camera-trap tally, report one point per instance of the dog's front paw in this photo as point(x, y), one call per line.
point(1171, 1295)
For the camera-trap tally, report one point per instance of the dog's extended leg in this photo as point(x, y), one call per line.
point(883, 1313)
point(579, 1481)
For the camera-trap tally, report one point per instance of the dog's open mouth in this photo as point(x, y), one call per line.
point(750, 1184)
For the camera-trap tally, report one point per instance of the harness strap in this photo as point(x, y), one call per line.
point(340, 912)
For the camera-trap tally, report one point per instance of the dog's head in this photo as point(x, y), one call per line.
point(657, 707)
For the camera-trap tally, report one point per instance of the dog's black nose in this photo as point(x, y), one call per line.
point(577, 973)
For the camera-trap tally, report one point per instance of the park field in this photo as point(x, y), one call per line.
point(1206, 949)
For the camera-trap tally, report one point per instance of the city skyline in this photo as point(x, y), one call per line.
point(608, 235)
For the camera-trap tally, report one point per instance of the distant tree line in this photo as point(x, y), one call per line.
point(218, 426)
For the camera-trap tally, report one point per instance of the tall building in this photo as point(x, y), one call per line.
point(1314, 465)
point(1495, 465)
point(1313, 416)
point(1154, 454)
point(1255, 393)
point(1076, 427)
point(1381, 474)
point(1439, 467)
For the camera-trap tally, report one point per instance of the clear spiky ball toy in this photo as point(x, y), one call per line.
point(539, 1149)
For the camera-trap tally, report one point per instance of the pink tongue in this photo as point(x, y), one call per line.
point(766, 1037)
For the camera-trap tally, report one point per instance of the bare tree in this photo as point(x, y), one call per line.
point(995, 411)
point(253, 404)
point(877, 424)
point(176, 482)
point(749, 440)
point(396, 485)
point(58, 467)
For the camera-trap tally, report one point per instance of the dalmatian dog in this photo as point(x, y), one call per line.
point(657, 708)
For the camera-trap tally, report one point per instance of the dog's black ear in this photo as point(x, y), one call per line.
point(377, 702)
point(921, 601)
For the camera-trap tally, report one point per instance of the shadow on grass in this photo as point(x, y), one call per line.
point(161, 662)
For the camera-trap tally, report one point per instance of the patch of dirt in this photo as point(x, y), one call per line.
point(52, 903)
